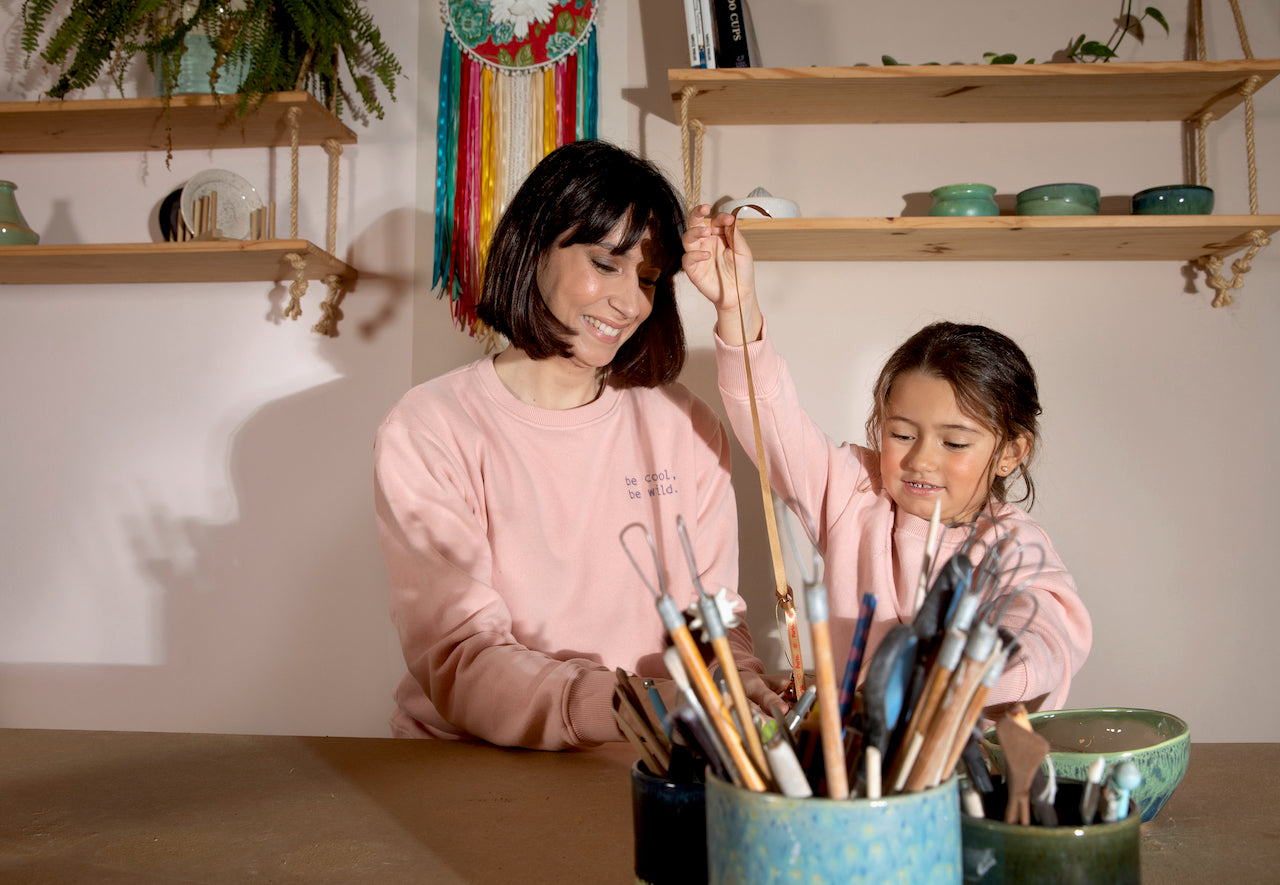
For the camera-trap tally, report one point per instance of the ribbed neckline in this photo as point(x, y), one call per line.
point(509, 402)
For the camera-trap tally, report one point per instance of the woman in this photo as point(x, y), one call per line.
point(503, 486)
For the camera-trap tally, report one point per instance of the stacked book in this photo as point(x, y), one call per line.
point(717, 31)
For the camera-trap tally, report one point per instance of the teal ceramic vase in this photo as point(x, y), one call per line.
point(13, 227)
point(963, 200)
point(194, 65)
point(761, 838)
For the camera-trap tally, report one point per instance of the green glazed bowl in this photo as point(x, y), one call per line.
point(1158, 743)
point(1065, 198)
point(1173, 199)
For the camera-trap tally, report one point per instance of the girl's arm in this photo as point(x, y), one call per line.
point(725, 277)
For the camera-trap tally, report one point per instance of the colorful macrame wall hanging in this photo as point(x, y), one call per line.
point(517, 80)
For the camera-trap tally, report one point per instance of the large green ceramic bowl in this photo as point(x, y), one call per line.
point(1158, 743)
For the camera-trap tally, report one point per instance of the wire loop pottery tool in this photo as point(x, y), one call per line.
point(700, 678)
point(713, 626)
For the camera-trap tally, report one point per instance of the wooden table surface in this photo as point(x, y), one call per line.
point(147, 808)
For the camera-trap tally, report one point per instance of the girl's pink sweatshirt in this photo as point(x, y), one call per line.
point(869, 546)
point(511, 592)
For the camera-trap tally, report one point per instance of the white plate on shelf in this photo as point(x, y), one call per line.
point(237, 201)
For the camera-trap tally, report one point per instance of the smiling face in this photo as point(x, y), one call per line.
point(931, 451)
point(601, 296)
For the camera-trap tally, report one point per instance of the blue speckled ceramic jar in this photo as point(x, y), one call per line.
point(964, 200)
point(760, 838)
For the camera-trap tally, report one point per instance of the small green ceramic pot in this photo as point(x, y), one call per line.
point(996, 853)
point(1174, 199)
point(1066, 198)
point(761, 838)
point(1158, 743)
point(963, 200)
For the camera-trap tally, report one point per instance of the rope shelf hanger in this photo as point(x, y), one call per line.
point(336, 286)
point(1212, 264)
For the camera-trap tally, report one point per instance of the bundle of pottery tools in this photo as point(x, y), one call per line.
point(909, 727)
point(1031, 785)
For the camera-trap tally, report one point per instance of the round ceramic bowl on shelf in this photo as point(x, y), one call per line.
point(1158, 743)
point(1173, 199)
point(1063, 198)
point(963, 200)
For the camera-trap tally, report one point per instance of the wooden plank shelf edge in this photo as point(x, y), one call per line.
point(226, 261)
point(141, 124)
point(1004, 238)
point(1029, 93)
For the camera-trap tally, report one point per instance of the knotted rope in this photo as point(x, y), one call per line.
point(692, 159)
point(331, 313)
point(1257, 238)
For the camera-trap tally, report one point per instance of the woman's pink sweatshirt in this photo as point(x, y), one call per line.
point(511, 592)
point(868, 546)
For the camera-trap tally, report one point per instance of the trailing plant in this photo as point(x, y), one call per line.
point(284, 45)
point(1082, 49)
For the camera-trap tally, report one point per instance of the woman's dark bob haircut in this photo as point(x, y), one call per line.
point(583, 191)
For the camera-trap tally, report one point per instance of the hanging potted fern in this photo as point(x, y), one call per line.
point(271, 46)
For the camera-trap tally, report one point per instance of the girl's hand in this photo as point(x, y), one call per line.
point(725, 277)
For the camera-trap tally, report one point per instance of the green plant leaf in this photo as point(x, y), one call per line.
point(1097, 50)
point(889, 60)
point(1007, 59)
point(1158, 16)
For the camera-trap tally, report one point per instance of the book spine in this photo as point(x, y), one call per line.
point(709, 30)
point(731, 34)
point(696, 34)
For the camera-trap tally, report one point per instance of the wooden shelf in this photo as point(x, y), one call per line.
point(1038, 93)
point(1004, 237)
point(140, 124)
point(222, 261)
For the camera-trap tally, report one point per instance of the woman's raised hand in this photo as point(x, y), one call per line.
point(724, 276)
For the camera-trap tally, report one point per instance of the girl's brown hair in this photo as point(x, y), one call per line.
point(993, 382)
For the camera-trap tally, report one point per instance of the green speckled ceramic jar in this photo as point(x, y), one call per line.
point(761, 838)
point(964, 200)
point(13, 227)
point(996, 853)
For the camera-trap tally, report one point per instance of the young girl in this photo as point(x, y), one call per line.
point(954, 425)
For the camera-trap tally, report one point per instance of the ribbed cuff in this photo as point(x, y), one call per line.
point(589, 708)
